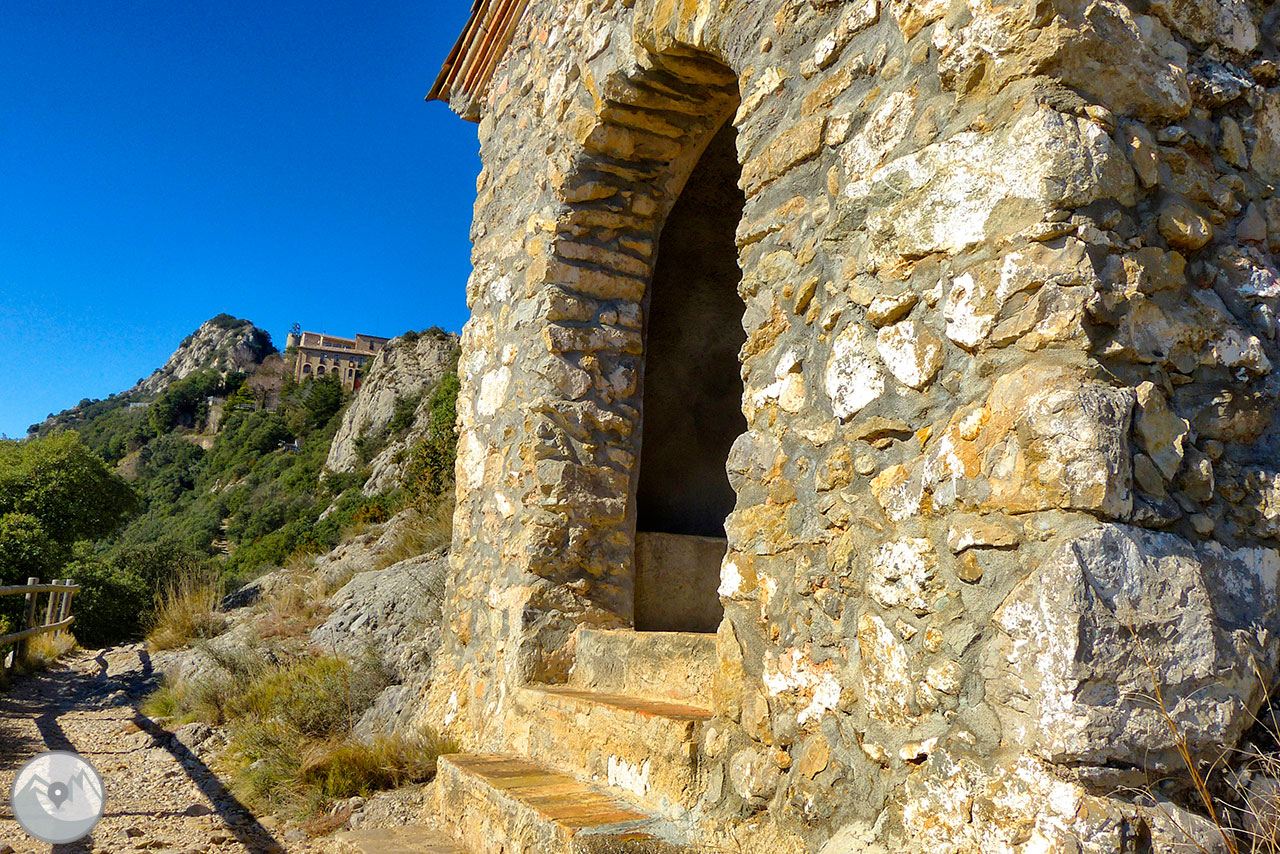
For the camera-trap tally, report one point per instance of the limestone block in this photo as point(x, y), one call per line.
point(890, 308)
point(1115, 613)
point(1046, 437)
point(1226, 23)
point(901, 573)
point(911, 351)
point(794, 145)
point(974, 186)
point(812, 685)
point(1121, 61)
point(1197, 330)
point(1264, 156)
point(1263, 497)
point(967, 531)
point(953, 805)
point(1250, 272)
point(888, 678)
point(884, 130)
point(754, 775)
point(1159, 432)
point(853, 376)
point(1184, 228)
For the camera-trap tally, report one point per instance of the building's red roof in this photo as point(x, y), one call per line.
point(471, 63)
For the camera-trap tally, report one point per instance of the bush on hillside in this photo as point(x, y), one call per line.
point(431, 466)
point(227, 321)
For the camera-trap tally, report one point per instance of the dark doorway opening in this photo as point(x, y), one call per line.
point(692, 399)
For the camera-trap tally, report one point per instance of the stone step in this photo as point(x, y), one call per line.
point(504, 805)
point(408, 839)
point(676, 666)
point(643, 748)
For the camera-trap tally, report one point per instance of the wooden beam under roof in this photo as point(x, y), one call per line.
point(466, 73)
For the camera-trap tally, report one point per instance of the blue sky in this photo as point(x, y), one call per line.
point(162, 161)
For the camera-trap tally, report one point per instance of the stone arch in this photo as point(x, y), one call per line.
point(649, 127)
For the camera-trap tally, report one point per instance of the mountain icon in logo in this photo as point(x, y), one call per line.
point(57, 797)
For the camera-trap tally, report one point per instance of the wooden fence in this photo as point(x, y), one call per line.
point(56, 616)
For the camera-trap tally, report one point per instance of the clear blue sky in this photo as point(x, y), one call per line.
point(162, 161)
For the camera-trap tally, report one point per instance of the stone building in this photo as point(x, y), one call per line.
point(320, 354)
point(865, 407)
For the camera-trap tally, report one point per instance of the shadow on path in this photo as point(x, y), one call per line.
point(100, 690)
point(243, 824)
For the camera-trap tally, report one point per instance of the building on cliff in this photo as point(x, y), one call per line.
point(863, 404)
point(319, 355)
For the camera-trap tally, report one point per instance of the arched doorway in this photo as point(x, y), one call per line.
point(691, 399)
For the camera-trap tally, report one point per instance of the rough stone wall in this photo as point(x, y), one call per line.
point(1010, 316)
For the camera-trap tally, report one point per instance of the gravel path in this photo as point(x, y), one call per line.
point(161, 796)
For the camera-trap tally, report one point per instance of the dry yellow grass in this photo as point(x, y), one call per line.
point(428, 529)
point(187, 611)
point(44, 650)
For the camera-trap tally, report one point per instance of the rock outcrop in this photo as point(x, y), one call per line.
point(221, 344)
point(402, 374)
point(394, 614)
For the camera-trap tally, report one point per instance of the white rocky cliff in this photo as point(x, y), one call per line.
point(404, 374)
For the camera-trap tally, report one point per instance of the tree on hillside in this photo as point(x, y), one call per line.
point(60, 487)
point(54, 492)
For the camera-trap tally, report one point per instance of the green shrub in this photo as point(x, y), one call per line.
point(431, 466)
point(402, 416)
point(226, 321)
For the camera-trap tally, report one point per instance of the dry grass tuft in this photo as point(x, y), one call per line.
point(1239, 792)
point(427, 530)
point(292, 612)
point(187, 610)
point(44, 650)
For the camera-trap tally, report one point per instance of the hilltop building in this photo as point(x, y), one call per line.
point(320, 355)
point(865, 406)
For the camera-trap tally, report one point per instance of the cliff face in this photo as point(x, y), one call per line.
point(375, 430)
point(222, 344)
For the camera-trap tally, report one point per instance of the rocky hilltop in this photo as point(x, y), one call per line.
point(223, 343)
point(391, 410)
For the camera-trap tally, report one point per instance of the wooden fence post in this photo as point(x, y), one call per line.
point(65, 610)
point(28, 622)
point(51, 608)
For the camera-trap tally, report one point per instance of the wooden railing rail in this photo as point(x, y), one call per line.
point(56, 617)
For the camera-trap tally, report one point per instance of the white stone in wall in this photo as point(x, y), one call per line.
point(853, 379)
point(967, 324)
point(900, 573)
point(493, 390)
point(911, 351)
point(629, 775)
point(471, 461)
point(973, 186)
point(795, 673)
point(887, 681)
point(883, 131)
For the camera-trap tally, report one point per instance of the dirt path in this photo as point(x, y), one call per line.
point(161, 796)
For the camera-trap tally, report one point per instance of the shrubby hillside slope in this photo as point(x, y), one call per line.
point(219, 459)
